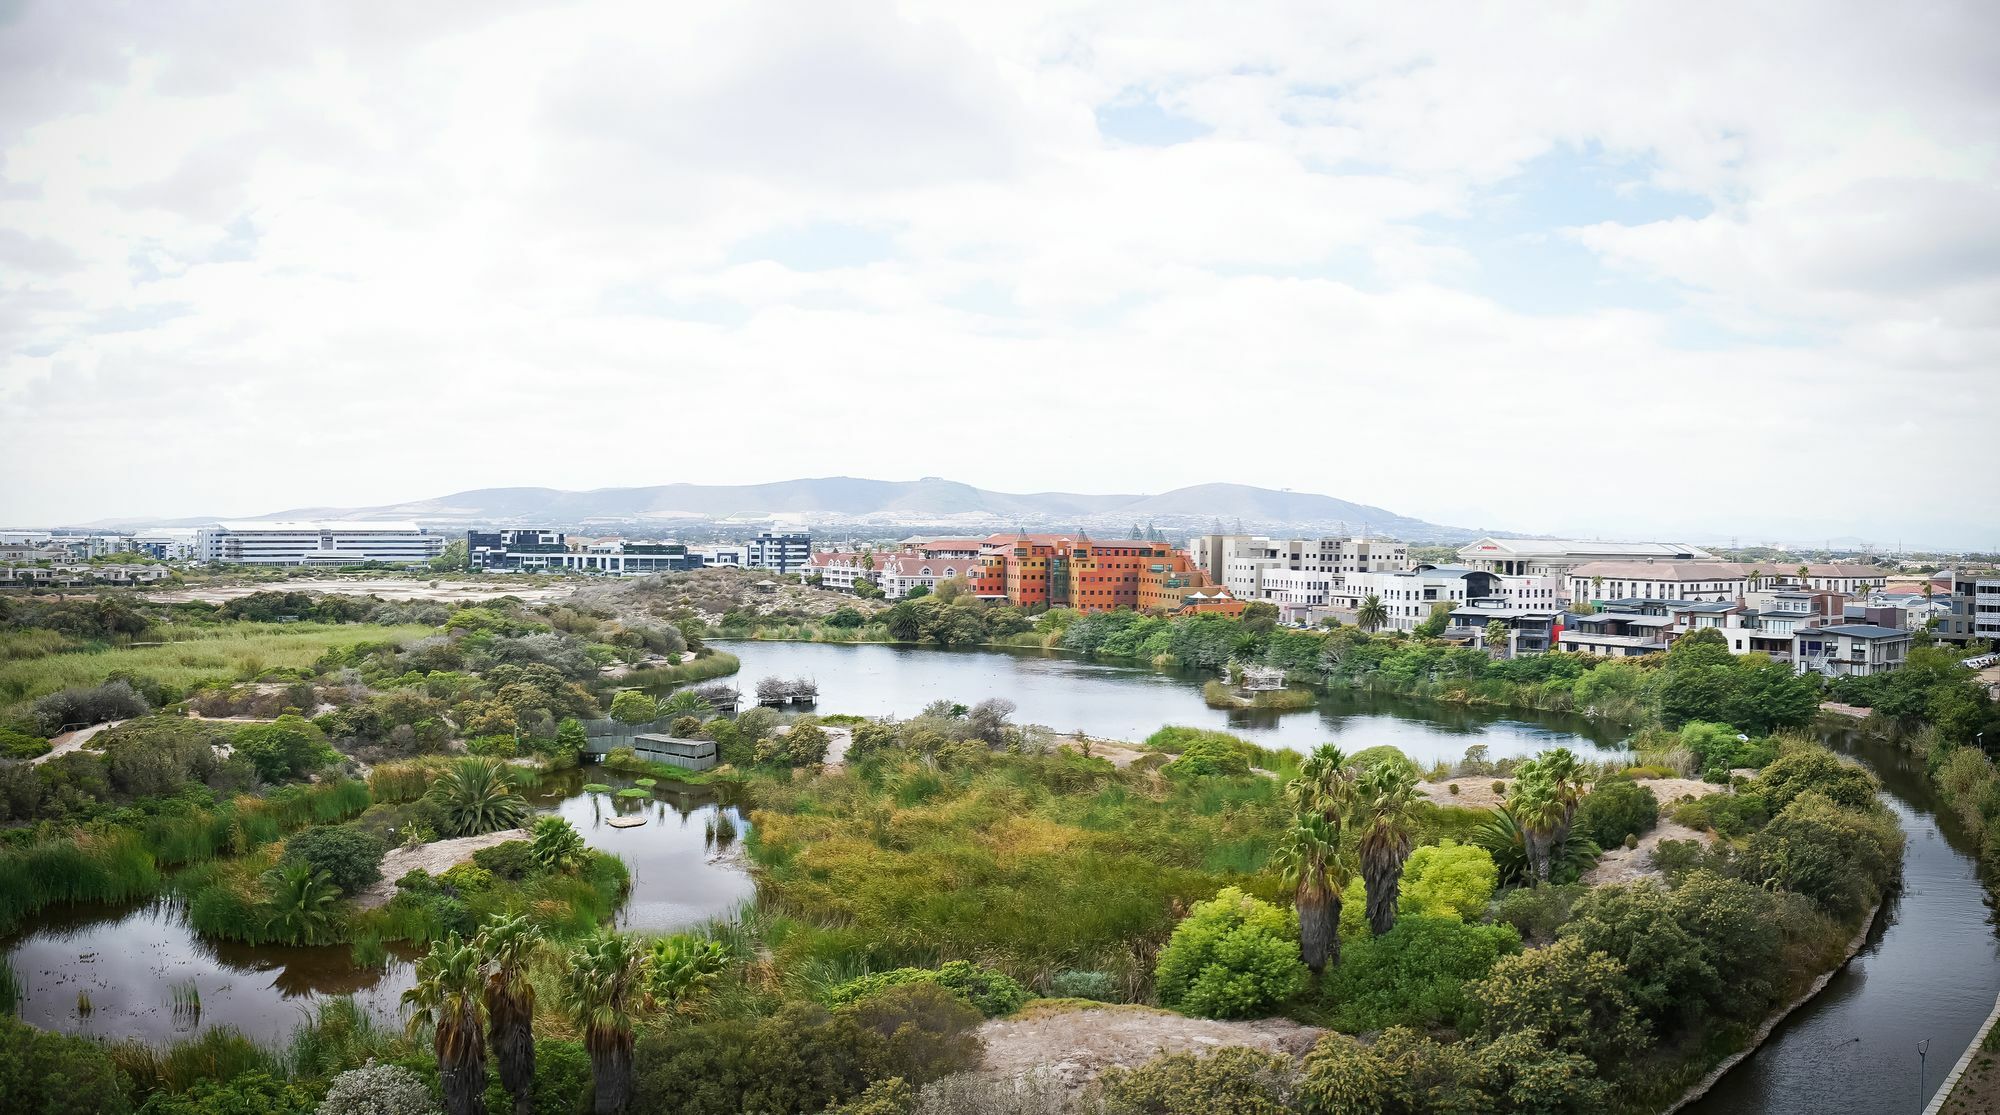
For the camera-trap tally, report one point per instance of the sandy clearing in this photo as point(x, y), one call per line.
point(433, 858)
point(389, 588)
point(1072, 1046)
point(72, 741)
point(1476, 791)
point(1622, 865)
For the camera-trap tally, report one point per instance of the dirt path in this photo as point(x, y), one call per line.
point(71, 741)
point(433, 858)
point(1073, 1045)
point(838, 740)
point(1476, 791)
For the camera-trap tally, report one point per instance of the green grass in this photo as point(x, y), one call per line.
point(715, 665)
point(195, 657)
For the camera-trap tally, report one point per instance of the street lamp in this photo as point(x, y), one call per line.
point(1923, 1047)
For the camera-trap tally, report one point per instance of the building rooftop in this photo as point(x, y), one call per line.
point(1579, 547)
point(303, 525)
point(1660, 570)
point(1865, 631)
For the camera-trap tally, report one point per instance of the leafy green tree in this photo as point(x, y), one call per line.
point(1233, 956)
point(631, 706)
point(349, 857)
point(476, 796)
point(289, 747)
point(683, 702)
point(1385, 816)
point(556, 845)
point(1580, 1000)
point(506, 944)
point(447, 1000)
point(57, 1074)
point(1840, 858)
point(1434, 624)
point(453, 559)
point(571, 737)
point(1448, 880)
point(1665, 961)
point(603, 990)
point(303, 907)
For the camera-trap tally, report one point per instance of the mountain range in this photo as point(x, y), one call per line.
point(930, 501)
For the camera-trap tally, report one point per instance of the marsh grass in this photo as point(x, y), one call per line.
point(716, 665)
point(11, 991)
point(95, 867)
point(406, 780)
point(190, 658)
point(219, 1053)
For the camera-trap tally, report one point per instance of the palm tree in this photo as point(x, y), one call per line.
point(477, 796)
point(680, 969)
point(447, 1001)
point(1496, 638)
point(1566, 780)
point(1805, 574)
point(604, 986)
point(1538, 809)
point(1372, 614)
point(1596, 588)
point(556, 844)
point(506, 944)
point(1753, 578)
point(302, 905)
point(1309, 861)
point(1385, 810)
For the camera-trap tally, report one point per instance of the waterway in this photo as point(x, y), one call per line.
point(1071, 694)
point(1929, 971)
point(129, 961)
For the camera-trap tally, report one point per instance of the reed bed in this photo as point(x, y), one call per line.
point(191, 658)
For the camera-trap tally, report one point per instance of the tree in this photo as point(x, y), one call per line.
point(1324, 790)
point(476, 796)
point(1385, 811)
point(446, 999)
point(1496, 638)
point(453, 559)
point(302, 909)
point(631, 706)
point(1233, 956)
point(1580, 1001)
point(1636, 924)
point(556, 845)
point(1372, 614)
point(1435, 623)
point(1415, 974)
point(506, 945)
point(603, 988)
point(349, 857)
point(287, 748)
point(1307, 858)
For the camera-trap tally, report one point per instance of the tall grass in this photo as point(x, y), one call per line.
point(33, 642)
point(11, 991)
point(106, 867)
point(715, 665)
point(194, 657)
point(221, 1053)
point(407, 779)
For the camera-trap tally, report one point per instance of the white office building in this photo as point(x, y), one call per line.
point(1254, 567)
point(313, 543)
point(785, 553)
point(1558, 556)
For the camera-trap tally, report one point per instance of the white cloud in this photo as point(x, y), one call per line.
point(321, 254)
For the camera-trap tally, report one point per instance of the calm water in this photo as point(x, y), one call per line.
point(1120, 702)
point(1930, 970)
point(129, 959)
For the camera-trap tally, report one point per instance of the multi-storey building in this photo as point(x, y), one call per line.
point(840, 570)
point(721, 555)
point(1712, 580)
point(1975, 608)
point(520, 550)
point(898, 574)
point(313, 543)
point(1558, 556)
point(1245, 562)
point(784, 553)
point(1052, 570)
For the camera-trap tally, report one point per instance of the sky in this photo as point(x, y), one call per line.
point(1698, 270)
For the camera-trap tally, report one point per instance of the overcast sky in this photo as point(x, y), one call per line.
point(1688, 269)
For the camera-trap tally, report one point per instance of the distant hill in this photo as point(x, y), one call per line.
point(929, 502)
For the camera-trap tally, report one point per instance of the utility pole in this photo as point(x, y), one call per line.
point(1923, 1048)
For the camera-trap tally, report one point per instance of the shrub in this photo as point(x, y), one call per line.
point(1414, 975)
point(1815, 770)
point(1840, 858)
point(71, 708)
point(1499, 787)
point(1448, 879)
point(796, 1062)
point(56, 1073)
point(1230, 1081)
point(1207, 756)
point(287, 748)
point(1615, 809)
point(250, 1093)
point(927, 1031)
point(991, 993)
point(21, 745)
point(1580, 1000)
point(1073, 984)
point(351, 857)
point(512, 860)
point(1233, 956)
point(377, 1090)
point(634, 707)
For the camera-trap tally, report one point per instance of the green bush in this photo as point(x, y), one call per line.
point(1415, 974)
point(1580, 1000)
point(1208, 757)
point(991, 993)
point(1448, 879)
point(512, 860)
point(288, 748)
point(1230, 1081)
point(1614, 809)
point(351, 858)
point(254, 1093)
point(799, 1061)
point(20, 745)
point(1073, 984)
point(1233, 956)
point(57, 1074)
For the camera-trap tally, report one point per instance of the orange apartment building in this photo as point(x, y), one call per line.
point(1057, 571)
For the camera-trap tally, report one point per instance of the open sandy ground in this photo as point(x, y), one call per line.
point(1476, 791)
point(71, 741)
point(388, 588)
point(433, 858)
point(1073, 1045)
